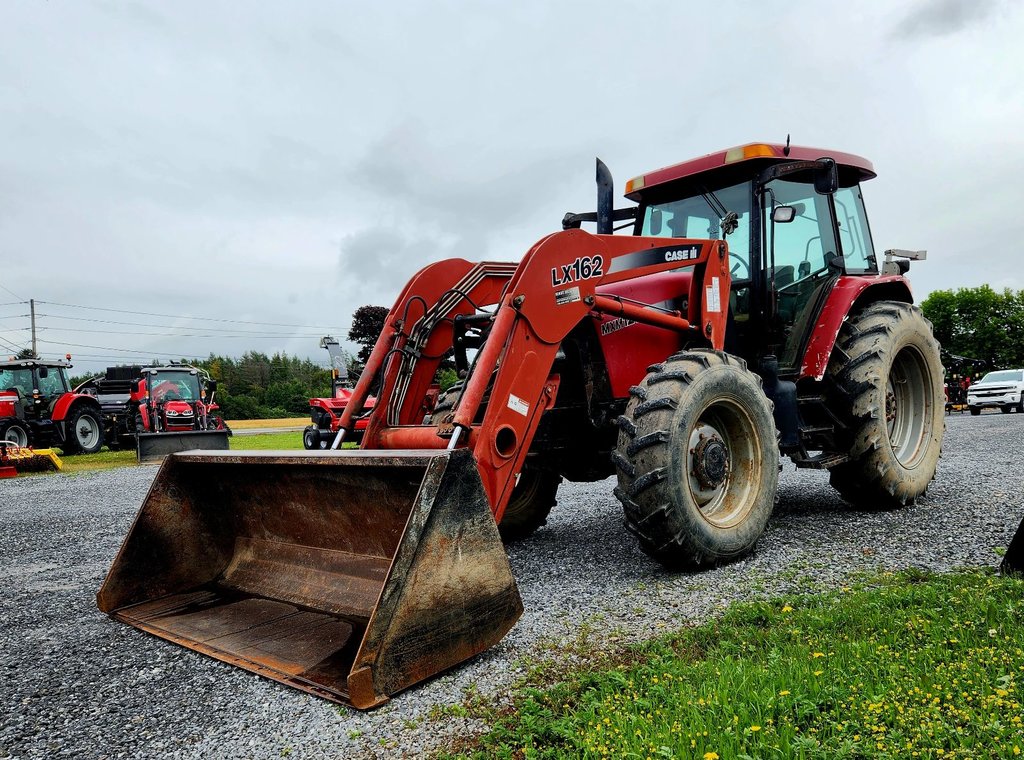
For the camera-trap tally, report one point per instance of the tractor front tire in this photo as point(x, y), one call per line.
point(533, 495)
point(83, 433)
point(530, 504)
point(975, 410)
point(887, 378)
point(697, 460)
point(15, 433)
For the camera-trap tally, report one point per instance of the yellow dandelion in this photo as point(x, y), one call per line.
point(816, 655)
point(784, 693)
point(818, 672)
point(710, 756)
point(787, 608)
point(754, 729)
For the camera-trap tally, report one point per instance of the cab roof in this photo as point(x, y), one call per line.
point(745, 160)
point(30, 363)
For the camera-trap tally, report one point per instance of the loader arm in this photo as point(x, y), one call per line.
point(541, 301)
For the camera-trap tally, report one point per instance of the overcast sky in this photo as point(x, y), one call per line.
point(285, 163)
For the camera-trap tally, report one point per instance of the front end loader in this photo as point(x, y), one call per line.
point(680, 362)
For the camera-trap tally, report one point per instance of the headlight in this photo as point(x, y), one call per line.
point(172, 413)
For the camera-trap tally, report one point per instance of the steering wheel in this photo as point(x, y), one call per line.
point(737, 265)
point(172, 396)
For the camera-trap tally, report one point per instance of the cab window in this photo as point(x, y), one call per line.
point(854, 234)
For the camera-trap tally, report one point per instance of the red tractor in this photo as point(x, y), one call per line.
point(746, 316)
point(39, 409)
point(158, 410)
point(325, 413)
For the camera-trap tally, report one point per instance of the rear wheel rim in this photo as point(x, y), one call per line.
point(724, 492)
point(87, 431)
point(907, 407)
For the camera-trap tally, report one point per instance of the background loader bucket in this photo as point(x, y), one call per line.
point(1013, 560)
point(349, 575)
point(152, 447)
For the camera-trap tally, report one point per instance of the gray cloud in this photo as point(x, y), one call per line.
point(939, 18)
point(287, 163)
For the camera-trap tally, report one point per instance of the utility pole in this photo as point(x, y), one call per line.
point(32, 311)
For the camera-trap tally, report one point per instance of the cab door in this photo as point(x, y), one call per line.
point(801, 262)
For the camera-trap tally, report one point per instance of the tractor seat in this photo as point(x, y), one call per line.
point(783, 276)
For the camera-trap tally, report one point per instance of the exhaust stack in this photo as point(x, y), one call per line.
point(605, 199)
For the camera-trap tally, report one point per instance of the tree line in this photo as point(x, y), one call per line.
point(979, 329)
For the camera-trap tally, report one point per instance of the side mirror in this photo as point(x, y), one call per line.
point(655, 221)
point(211, 386)
point(783, 214)
point(826, 177)
point(43, 373)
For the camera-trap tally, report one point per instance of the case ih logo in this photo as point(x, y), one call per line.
point(688, 253)
point(582, 268)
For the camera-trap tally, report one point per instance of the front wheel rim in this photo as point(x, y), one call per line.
point(725, 493)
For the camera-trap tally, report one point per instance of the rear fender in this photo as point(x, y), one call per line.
point(849, 294)
point(63, 408)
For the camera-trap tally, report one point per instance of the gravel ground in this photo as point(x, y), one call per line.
point(75, 683)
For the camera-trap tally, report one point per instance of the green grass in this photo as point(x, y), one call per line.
point(263, 441)
point(107, 460)
point(909, 665)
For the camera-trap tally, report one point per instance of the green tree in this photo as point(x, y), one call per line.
point(979, 323)
point(367, 325)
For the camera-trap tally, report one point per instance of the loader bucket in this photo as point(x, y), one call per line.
point(350, 575)
point(1013, 560)
point(152, 447)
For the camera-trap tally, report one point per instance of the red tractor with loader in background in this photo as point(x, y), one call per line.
point(158, 410)
point(325, 413)
point(39, 409)
point(746, 315)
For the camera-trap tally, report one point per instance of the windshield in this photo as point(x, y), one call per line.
point(694, 217)
point(174, 386)
point(18, 380)
point(1004, 376)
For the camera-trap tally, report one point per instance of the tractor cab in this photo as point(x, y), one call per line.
point(38, 384)
point(38, 407)
point(795, 222)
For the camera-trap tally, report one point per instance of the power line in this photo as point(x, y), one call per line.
point(254, 336)
point(117, 350)
point(171, 316)
point(12, 303)
point(12, 292)
point(167, 331)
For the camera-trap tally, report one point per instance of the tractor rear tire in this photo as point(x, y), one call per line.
point(697, 460)
point(83, 433)
point(15, 433)
point(532, 497)
point(887, 378)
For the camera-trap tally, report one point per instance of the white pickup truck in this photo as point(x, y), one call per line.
point(1004, 389)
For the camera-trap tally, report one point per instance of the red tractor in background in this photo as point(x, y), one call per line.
point(158, 410)
point(325, 413)
point(39, 409)
point(745, 315)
